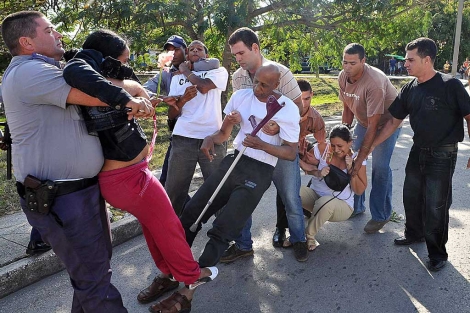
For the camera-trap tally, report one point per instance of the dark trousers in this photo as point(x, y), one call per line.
point(281, 213)
point(238, 197)
point(427, 196)
point(164, 173)
point(78, 232)
point(35, 235)
point(165, 166)
point(185, 155)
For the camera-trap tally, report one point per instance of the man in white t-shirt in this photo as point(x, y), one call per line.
point(198, 118)
point(252, 175)
point(245, 46)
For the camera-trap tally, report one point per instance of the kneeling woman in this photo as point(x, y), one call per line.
point(125, 179)
point(325, 203)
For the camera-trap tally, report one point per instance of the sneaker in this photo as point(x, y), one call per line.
point(301, 251)
point(374, 226)
point(233, 253)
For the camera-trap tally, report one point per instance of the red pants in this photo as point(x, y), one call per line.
point(135, 190)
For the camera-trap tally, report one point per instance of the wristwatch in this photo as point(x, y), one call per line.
point(349, 126)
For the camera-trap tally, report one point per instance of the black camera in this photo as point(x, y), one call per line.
point(112, 68)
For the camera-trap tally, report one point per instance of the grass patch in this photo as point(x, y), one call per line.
point(9, 202)
point(325, 95)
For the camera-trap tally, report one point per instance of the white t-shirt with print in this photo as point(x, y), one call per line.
point(202, 115)
point(245, 102)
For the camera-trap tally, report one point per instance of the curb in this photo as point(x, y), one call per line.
point(29, 270)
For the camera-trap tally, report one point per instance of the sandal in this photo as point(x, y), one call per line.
point(312, 244)
point(206, 279)
point(169, 305)
point(158, 287)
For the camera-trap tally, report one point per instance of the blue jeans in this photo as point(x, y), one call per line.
point(427, 196)
point(286, 178)
point(185, 154)
point(380, 202)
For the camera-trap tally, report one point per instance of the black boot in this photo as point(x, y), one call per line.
point(279, 237)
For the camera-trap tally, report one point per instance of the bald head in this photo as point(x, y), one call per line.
point(266, 80)
point(271, 71)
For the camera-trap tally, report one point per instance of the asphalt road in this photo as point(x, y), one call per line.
point(349, 272)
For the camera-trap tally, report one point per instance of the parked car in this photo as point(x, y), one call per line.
point(306, 69)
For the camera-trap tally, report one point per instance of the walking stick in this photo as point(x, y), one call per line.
point(272, 107)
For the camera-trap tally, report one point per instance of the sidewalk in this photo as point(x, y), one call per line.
point(18, 270)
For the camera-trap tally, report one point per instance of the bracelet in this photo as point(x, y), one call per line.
point(189, 75)
point(365, 147)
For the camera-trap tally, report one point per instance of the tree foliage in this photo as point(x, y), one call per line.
point(289, 30)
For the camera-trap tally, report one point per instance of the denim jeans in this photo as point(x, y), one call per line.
point(380, 202)
point(238, 197)
point(286, 178)
point(185, 154)
point(427, 196)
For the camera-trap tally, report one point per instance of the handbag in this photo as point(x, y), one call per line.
point(336, 179)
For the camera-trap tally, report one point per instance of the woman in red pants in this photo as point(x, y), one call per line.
point(125, 179)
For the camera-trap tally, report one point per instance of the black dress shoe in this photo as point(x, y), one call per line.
point(279, 237)
point(436, 265)
point(403, 241)
point(36, 247)
point(307, 214)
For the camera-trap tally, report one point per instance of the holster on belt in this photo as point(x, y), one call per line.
point(39, 195)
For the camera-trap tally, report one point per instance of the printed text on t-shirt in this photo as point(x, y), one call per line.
point(351, 95)
point(183, 81)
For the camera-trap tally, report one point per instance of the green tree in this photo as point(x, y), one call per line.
point(288, 29)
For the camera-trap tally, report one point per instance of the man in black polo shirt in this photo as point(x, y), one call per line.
point(436, 104)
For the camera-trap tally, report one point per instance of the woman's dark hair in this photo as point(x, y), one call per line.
point(341, 131)
point(69, 54)
point(107, 42)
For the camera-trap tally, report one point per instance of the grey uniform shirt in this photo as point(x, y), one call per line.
point(50, 140)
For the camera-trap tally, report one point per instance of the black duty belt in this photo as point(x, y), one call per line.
point(444, 148)
point(64, 187)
